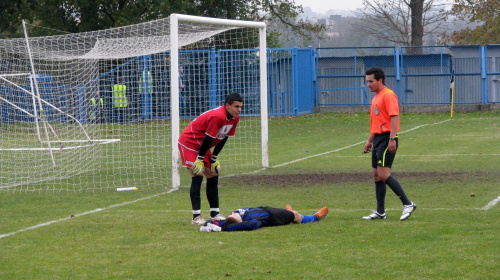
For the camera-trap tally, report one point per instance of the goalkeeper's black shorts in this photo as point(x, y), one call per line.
point(278, 216)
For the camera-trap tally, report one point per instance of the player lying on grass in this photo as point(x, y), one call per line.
point(263, 216)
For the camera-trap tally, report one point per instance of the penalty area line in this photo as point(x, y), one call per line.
point(491, 203)
point(355, 144)
point(84, 213)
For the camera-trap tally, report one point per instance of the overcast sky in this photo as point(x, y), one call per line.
point(321, 6)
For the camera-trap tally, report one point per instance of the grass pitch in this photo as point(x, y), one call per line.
point(450, 168)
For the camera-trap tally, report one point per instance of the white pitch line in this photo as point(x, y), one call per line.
point(420, 126)
point(491, 203)
point(353, 145)
point(83, 214)
point(434, 155)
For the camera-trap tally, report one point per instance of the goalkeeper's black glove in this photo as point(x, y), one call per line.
point(215, 165)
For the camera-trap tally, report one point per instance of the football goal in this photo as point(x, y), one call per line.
point(100, 110)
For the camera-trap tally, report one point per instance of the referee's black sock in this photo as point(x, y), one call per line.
point(397, 189)
point(380, 190)
point(194, 193)
point(213, 194)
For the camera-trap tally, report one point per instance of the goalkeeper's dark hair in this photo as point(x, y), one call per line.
point(232, 97)
point(230, 221)
point(377, 72)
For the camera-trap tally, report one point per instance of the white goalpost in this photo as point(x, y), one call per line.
point(100, 110)
point(180, 26)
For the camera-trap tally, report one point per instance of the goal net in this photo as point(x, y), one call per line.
point(102, 110)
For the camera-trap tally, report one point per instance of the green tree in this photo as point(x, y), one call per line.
point(12, 12)
point(485, 13)
point(90, 15)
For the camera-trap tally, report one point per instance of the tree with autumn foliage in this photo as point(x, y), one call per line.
point(485, 13)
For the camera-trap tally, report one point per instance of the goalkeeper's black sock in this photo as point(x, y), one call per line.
point(214, 212)
point(397, 189)
point(213, 194)
point(196, 214)
point(194, 192)
point(380, 190)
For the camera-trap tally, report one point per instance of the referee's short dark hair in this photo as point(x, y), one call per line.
point(377, 72)
point(230, 98)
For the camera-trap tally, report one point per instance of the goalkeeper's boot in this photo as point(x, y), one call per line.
point(198, 221)
point(322, 213)
point(218, 217)
point(374, 216)
point(288, 207)
point(407, 210)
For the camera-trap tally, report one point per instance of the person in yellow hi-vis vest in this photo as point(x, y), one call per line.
point(97, 110)
point(120, 101)
point(146, 80)
point(97, 114)
point(145, 90)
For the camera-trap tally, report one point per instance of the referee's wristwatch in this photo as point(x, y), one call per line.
point(392, 138)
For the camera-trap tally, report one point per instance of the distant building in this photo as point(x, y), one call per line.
point(324, 22)
point(335, 18)
point(330, 22)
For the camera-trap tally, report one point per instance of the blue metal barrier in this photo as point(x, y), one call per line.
point(418, 75)
point(298, 80)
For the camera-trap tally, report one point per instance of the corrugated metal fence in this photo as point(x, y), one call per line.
point(418, 75)
point(299, 80)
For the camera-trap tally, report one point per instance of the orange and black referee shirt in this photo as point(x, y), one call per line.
point(384, 105)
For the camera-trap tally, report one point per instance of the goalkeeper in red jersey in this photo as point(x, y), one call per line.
point(209, 130)
point(263, 216)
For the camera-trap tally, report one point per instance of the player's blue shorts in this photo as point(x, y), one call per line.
point(380, 154)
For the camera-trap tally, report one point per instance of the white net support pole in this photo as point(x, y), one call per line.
point(34, 82)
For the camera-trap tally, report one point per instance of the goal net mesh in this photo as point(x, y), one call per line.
point(92, 111)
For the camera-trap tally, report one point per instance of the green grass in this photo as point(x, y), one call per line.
point(449, 168)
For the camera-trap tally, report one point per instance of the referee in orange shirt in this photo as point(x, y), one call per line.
point(383, 143)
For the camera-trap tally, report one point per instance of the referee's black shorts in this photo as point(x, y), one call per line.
point(380, 154)
point(278, 216)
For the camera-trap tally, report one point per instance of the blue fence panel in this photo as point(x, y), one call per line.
point(425, 75)
point(58, 95)
point(304, 77)
point(492, 53)
point(418, 75)
point(290, 80)
point(466, 62)
point(206, 77)
point(280, 82)
point(238, 71)
point(298, 80)
point(340, 74)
